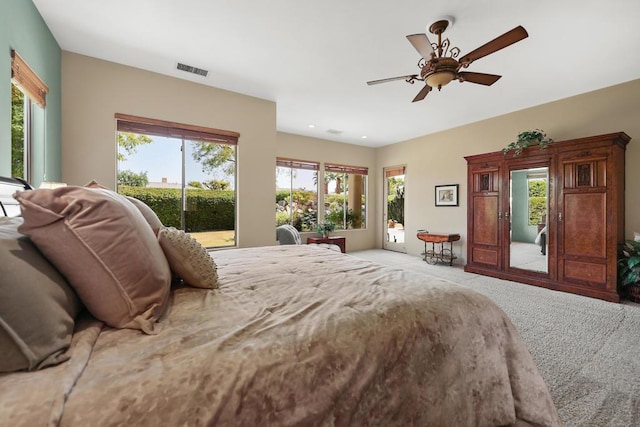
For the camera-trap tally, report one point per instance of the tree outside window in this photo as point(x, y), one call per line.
point(19, 137)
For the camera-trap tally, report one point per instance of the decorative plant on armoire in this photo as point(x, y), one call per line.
point(526, 139)
point(629, 270)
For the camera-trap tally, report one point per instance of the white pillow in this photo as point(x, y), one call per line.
point(188, 258)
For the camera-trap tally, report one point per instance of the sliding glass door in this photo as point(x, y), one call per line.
point(190, 184)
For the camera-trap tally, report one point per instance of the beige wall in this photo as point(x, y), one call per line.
point(305, 148)
point(439, 158)
point(94, 90)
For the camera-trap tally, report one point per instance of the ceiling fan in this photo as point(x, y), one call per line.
point(439, 66)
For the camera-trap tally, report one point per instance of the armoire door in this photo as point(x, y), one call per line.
point(583, 224)
point(485, 217)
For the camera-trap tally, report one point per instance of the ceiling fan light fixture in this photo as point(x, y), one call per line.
point(439, 64)
point(440, 78)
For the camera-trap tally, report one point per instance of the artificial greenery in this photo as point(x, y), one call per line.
point(629, 264)
point(526, 139)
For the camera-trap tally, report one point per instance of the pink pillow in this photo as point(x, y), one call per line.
point(103, 245)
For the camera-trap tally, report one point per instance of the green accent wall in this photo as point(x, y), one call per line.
point(521, 231)
point(23, 29)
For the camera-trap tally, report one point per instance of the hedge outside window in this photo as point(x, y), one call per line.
point(537, 184)
point(297, 193)
point(345, 190)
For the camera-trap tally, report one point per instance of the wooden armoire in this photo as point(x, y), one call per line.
point(575, 248)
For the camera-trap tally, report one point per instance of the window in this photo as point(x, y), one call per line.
point(20, 134)
point(345, 196)
point(27, 90)
point(185, 173)
point(297, 193)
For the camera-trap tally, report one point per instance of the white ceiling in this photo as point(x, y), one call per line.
point(314, 58)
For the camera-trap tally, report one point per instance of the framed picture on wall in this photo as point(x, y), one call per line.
point(447, 195)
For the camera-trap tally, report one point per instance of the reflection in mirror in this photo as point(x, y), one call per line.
point(528, 208)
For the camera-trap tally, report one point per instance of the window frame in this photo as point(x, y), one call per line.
point(35, 92)
point(23, 76)
point(27, 135)
point(297, 164)
point(347, 170)
point(126, 123)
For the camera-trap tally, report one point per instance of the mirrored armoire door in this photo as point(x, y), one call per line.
point(527, 219)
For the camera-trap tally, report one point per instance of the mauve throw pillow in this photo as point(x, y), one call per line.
point(103, 245)
point(37, 305)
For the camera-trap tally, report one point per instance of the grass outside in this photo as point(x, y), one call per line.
point(215, 239)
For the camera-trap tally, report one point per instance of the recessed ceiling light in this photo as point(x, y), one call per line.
point(312, 126)
point(364, 136)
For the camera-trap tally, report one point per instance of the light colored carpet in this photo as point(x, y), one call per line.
point(587, 350)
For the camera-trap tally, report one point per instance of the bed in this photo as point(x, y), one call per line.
point(292, 335)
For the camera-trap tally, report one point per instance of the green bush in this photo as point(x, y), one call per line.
point(537, 208)
point(282, 218)
point(133, 179)
point(537, 188)
point(207, 210)
point(334, 199)
point(395, 206)
point(336, 217)
point(303, 197)
point(354, 219)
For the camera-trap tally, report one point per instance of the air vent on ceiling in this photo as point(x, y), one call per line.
point(194, 70)
point(334, 131)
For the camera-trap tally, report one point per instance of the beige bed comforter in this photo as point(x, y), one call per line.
point(296, 335)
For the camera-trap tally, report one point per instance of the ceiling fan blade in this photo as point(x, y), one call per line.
point(480, 78)
point(422, 44)
point(391, 79)
point(424, 92)
point(507, 39)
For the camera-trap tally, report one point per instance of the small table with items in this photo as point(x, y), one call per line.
point(340, 241)
point(440, 252)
